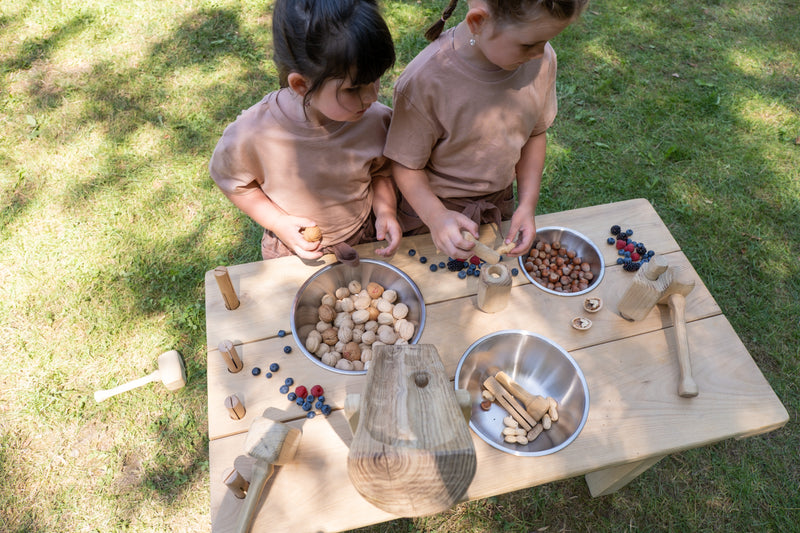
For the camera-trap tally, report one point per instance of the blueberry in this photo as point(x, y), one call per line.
point(321, 398)
point(514, 271)
point(311, 414)
point(477, 272)
point(299, 401)
point(287, 349)
point(434, 268)
point(319, 404)
point(423, 259)
point(307, 406)
point(281, 333)
point(289, 382)
point(284, 389)
point(412, 252)
point(620, 260)
point(462, 274)
point(291, 396)
point(650, 253)
point(620, 252)
point(310, 398)
point(442, 264)
point(274, 367)
point(628, 232)
point(256, 371)
point(326, 409)
point(611, 240)
point(268, 375)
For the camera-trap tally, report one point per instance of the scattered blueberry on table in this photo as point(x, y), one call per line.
point(289, 382)
point(256, 371)
point(423, 259)
point(412, 252)
point(287, 349)
point(274, 367)
point(268, 375)
point(281, 333)
point(284, 389)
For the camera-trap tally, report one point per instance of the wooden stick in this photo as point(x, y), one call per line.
point(536, 406)
point(508, 402)
point(481, 250)
point(226, 287)
point(237, 484)
point(231, 356)
point(235, 407)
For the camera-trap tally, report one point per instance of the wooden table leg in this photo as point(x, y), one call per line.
point(609, 480)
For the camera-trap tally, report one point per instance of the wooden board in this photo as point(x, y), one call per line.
point(634, 417)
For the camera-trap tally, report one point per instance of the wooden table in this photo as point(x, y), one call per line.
point(635, 416)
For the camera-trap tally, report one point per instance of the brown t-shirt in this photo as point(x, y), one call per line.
point(323, 173)
point(466, 126)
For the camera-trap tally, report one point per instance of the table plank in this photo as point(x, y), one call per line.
point(635, 417)
point(266, 289)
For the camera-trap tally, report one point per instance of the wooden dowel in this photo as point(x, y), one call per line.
point(231, 356)
point(494, 288)
point(235, 407)
point(237, 484)
point(226, 287)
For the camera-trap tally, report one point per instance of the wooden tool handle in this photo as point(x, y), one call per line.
point(481, 250)
point(687, 387)
point(262, 471)
point(105, 394)
point(536, 406)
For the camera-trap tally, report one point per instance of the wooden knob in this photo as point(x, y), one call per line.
point(237, 484)
point(235, 407)
point(231, 356)
point(226, 287)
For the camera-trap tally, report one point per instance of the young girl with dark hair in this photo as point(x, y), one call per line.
point(310, 153)
point(471, 113)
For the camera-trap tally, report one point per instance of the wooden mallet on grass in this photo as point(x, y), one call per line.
point(170, 371)
point(270, 443)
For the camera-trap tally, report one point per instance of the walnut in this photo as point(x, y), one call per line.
point(374, 289)
point(358, 365)
point(312, 234)
point(360, 316)
point(362, 301)
point(352, 351)
point(373, 313)
point(313, 341)
point(345, 334)
point(404, 328)
point(331, 358)
point(344, 364)
point(400, 311)
point(385, 318)
point(326, 313)
point(390, 295)
point(384, 306)
point(354, 287)
point(330, 336)
point(342, 293)
point(348, 305)
point(328, 299)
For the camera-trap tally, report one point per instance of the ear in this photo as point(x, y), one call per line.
point(476, 19)
point(298, 83)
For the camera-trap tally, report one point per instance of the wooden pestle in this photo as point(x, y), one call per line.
point(536, 406)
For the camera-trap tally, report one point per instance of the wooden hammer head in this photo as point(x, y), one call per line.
point(171, 370)
point(680, 284)
point(272, 441)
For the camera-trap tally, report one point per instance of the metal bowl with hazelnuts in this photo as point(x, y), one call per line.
point(341, 312)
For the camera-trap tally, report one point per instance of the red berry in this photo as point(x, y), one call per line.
point(629, 248)
point(475, 260)
point(301, 391)
point(621, 244)
point(317, 391)
point(635, 256)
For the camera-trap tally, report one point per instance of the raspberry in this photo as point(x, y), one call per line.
point(635, 256)
point(621, 244)
point(475, 260)
point(615, 230)
point(301, 391)
point(629, 247)
point(317, 391)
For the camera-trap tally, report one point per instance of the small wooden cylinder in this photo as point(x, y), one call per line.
point(231, 356)
point(647, 286)
point(494, 288)
point(226, 287)
point(237, 484)
point(235, 407)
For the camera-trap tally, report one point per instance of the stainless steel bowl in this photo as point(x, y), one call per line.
point(572, 240)
point(542, 368)
point(325, 281)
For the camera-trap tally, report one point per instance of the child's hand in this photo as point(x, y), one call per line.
point(288, 231)
point(446, 234)
point(388, 228)
point(524, 225)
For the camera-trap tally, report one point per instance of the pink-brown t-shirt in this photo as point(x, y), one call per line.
point(466, 126)
point(323, 173)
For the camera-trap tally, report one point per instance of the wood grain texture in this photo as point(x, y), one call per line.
point(412, 453)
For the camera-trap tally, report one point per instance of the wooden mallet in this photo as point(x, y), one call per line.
point(270, 443)
point(170, 371)
point(675, 297)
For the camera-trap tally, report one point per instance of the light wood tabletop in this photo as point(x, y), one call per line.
point(635, 415)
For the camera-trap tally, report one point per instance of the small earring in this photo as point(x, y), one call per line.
point(472, 41)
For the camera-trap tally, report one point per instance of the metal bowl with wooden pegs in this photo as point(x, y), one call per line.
point(579, 270)
point(523, 371)
point(378, 298)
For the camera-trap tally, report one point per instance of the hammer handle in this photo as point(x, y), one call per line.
point(262, 471)
point(125, 387)
point(687, 387)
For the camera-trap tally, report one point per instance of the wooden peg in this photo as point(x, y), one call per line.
point(231, 356)
point(226, 287)
point(237, 484)
point(494, 288)
point(235, 407)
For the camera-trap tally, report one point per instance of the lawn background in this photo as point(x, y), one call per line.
point(109, 112)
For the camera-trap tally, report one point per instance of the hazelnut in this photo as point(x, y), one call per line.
point(312, 234)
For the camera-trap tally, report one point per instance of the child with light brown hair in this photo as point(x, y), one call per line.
point(471, 113)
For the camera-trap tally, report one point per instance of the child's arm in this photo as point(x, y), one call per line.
point(260, 208)
point(445, 225)
point(384, 205)
point(529, 179)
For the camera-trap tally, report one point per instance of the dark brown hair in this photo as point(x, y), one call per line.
point(514, 11)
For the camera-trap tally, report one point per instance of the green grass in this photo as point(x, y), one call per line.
point(108, 221)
